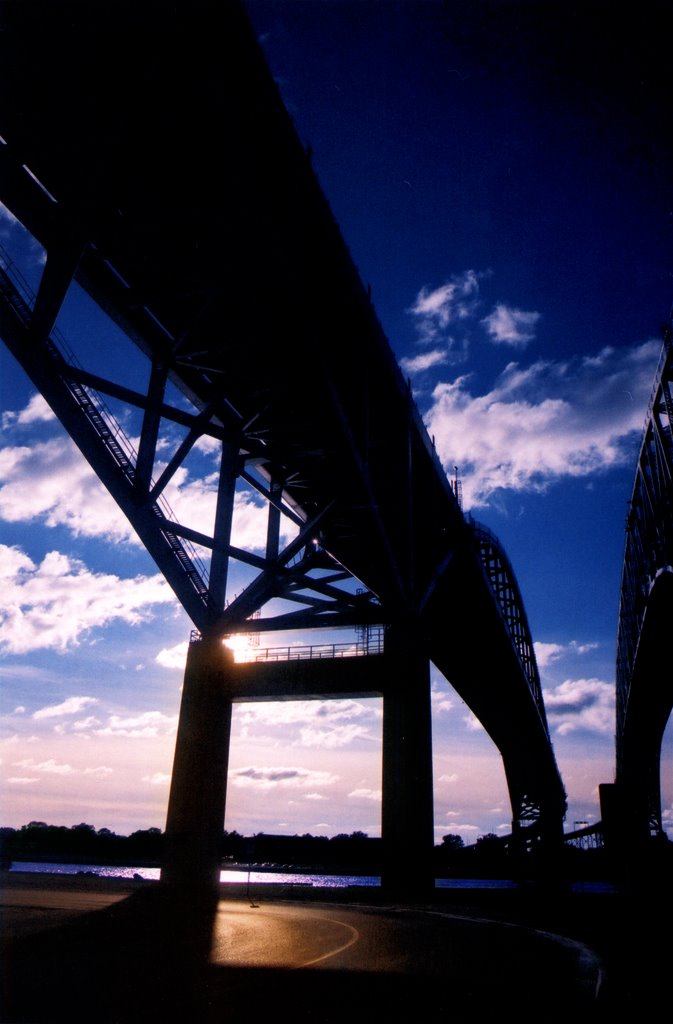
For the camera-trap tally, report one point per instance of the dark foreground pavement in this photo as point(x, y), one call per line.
point(81, 949)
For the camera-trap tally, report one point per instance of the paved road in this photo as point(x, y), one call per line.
point(402, 941)
point(323, 961)
point(27, 910)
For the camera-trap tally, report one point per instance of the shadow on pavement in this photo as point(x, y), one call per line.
point(146, 958)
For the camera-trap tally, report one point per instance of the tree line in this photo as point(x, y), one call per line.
point(83, 844)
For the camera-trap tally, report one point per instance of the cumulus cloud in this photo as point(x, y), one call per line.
point(143, 726)
point(548, 653)
point(37, 411)
point(83, 724)
point(53, 604)
point(472, 722)
point(287, 778)
point(70, 706)
point(436, 311)
point(51, 482)
point(423, 361)
point(173, 657)
point(440, 701)
point(581, 704)
point(50, 767)
point(157, 779)
point(53, 767)
point(328, 724)
point(509, 326)
point(366, 794)
point(542, 423)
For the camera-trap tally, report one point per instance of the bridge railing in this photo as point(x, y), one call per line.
point(372, 644)
point(313, 652)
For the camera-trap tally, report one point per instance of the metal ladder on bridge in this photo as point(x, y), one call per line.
point(99, 417)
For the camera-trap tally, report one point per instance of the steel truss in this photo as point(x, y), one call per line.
point(648, 565)
point(329, 439)
point(302, 573)
point(503, 583)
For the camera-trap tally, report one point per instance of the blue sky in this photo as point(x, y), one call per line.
point(508, 204)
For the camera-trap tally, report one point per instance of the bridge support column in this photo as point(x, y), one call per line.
point(407, 804)
point(196, 805)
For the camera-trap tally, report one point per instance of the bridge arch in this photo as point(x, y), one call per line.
point(644, 678)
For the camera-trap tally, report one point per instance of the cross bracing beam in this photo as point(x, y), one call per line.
point(244, 297)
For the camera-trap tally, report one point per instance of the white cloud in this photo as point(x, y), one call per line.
point(366, 794)
point(435, 311)
point(472, 722)
point(70, 706)
point(548, 653)
point(49, 767)
point(449, 778)
point(22, 780)
point(332, 738)
point(84, 724)
point(286, 778)
point(423, 361)
point(143, 726)
point(37, 411)
point(12, 562)
point(51, 482)
point(543, 423)
point(102, 770)
point(586, 704)
point(51, 606)
point(173, 657)
point(329, 724)
point(157, 779)
point(440, 701)
point(509, 326)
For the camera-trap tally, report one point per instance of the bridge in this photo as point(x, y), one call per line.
point(644, 683)
point(172, 188)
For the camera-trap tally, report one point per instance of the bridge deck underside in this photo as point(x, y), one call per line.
point(179, 168)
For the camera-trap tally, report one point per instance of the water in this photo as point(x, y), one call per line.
point(240, 876)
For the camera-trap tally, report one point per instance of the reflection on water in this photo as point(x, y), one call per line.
point(240, 876)
point(256, 878)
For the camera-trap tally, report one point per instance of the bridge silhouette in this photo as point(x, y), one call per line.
point(260, 336)
point(644, 684)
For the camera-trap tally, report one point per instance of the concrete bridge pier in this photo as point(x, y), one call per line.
point(196, 804)
point(407, 804)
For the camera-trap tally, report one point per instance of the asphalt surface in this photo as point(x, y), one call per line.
point(80, 949)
